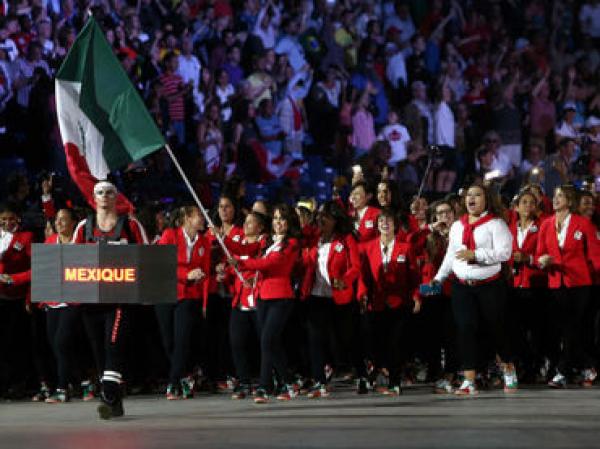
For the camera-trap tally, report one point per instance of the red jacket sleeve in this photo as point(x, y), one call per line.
point(85, 181)
point(353, 272)
point(272, 260)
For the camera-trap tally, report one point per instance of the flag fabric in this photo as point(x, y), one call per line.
point(99, 110)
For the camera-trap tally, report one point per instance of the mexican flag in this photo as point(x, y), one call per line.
point(100, 114)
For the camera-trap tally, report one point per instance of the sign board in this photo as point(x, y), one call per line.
point(104, 274)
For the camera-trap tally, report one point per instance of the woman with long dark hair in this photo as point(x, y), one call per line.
point(275, 299)
point(479, 243)
point(331, 268)
point(243, 324)
point(176, 321)
point(218, 306)
point(568, 249)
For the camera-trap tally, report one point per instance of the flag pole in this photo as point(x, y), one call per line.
point(211, 225)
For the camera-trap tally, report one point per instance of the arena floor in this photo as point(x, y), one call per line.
point(532, 418)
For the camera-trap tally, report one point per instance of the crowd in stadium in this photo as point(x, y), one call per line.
point(408, 187)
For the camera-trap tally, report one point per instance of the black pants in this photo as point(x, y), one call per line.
point(244, 335)
point(389, 340)
point(320, 315)
point(567, 315)
point(61, 327)
point(527, 319)
point(41, 351)
point(176, 322)
point(273, 315)
point(480, 308)
point(335, 324)
point(437, 331)
point(106, 327)
point(592, 326)
point(218, 352)
point(11, 319)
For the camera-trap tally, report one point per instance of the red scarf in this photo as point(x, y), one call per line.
point(468, 237)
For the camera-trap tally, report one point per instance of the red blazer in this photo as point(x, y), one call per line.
point(527, 275)
point(200, 258)
point(16, 261)
point(343, 263)
point(275, 270)
point(571, 266)
point(241, 291)
point(390, 288)
point(236, 234)
point(367, 229)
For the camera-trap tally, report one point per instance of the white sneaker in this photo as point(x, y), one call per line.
point(511, 382)
point(558, 381)
point(444, 386)
point(467, 388)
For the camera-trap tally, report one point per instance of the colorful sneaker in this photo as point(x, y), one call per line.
point(361, 386)
point(240, 392)
point(558, 381)
point(589, 376)
point(467, 388)
point(444, 386)
point(260, 396)
point(511, 382)
point(60, 396)
point(173, 393)
point(88, 391)
point(287, 393)
point(318, 391)
point(43, 394)
point(187, 387)
point(392, 390)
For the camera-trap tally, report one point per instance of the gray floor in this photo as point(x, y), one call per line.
point(531, 418)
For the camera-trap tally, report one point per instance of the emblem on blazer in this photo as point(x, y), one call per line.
point(578, 235)
point(369, 224)
point(18, 246)
point(534, 228)
point(401, 258)
point(236, 238)
point(339, 247)
point(201, 251)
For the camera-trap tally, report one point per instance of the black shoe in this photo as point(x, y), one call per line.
point(110, 408)
point(362, 388)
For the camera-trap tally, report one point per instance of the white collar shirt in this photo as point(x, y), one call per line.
point(189, 242)
point(322, 284)
point(562, 235)
point(493, 245)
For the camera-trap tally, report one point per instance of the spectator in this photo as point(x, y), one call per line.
point(397, 136)
point(559, 166)
point(173, 91)
point(363, 128)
